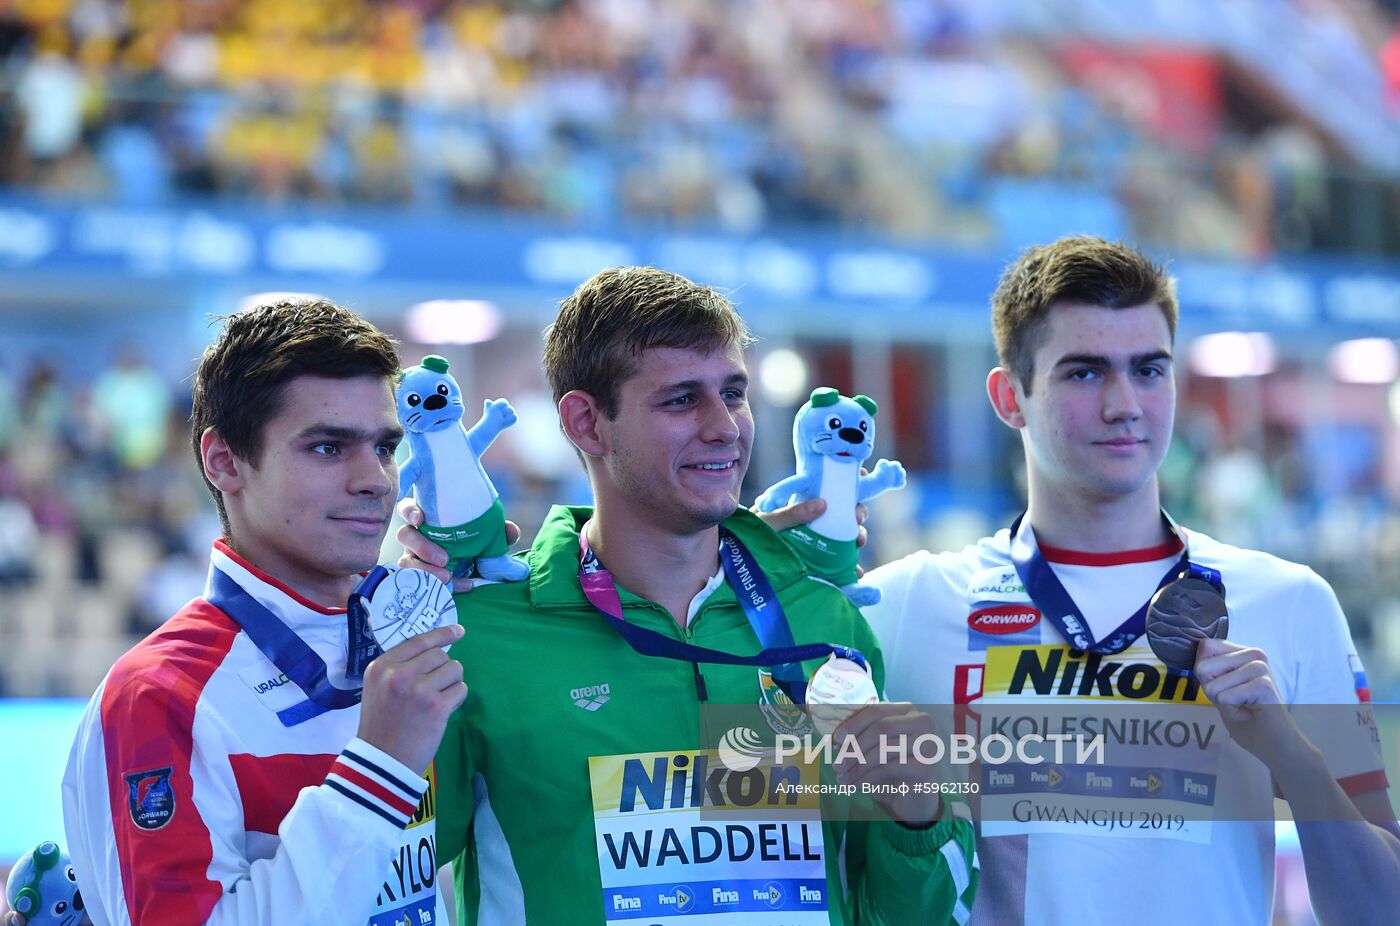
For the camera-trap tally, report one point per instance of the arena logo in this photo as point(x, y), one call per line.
point(591, 697)
point(1007, 618)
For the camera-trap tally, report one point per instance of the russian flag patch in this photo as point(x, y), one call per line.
point(1358, 672)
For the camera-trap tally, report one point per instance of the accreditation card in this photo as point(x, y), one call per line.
point(683, 839)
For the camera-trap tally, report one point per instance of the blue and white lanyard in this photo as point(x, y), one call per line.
point(1059, 608)
point(287, 651)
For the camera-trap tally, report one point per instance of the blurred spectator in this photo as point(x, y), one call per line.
point(49, 94)
point(19, 535)
point(9, 412)
point(1236, 491)
point(133, 404)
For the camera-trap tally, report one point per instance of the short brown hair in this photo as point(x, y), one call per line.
point(1083, 269)
point(603, 327)
point(241, 379)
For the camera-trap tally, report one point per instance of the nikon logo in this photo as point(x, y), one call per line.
point(688, 782)
point(1051, 671)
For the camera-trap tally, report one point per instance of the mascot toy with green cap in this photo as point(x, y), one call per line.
point(43, 888)
point(833, 435)
point(462, 511)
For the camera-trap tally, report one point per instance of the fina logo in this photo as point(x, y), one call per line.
point(740, 749)
point(683, 898)
point(773, 895)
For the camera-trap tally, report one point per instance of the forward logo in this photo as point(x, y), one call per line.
point(591, 697)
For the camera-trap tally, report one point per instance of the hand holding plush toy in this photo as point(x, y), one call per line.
point(43, 889)
point(462, 512)
point(833, 435)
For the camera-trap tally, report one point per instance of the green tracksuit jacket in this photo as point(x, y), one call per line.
point(515, 811)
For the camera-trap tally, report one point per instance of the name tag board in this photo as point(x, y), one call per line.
point(409, 892)
point(683, 839)
point(1159, 773)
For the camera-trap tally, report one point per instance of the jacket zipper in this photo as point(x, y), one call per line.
point(702, 691)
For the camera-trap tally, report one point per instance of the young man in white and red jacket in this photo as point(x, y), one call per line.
point(227, 771)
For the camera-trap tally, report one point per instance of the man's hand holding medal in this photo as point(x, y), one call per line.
point(844, 704)
point(842, 701)
point(412, 621)
point(1186, 626)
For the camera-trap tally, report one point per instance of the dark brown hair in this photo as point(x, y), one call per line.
point(241, 379)
point(1085, 270)
point(603, 327)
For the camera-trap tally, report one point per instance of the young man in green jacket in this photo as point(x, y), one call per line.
point(569, 728)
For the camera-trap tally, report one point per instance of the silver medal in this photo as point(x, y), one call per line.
point(406, 603)
point(838, 689)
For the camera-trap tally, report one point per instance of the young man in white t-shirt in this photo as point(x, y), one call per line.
point(1043, 619)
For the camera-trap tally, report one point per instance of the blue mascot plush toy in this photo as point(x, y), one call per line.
point(44, 889)
point(462, 512)
point(833, 435)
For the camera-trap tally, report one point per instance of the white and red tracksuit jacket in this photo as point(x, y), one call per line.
point(186, 800)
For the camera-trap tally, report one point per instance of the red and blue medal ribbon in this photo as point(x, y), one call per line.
point(287, 651)
point(1055, 603)
point(756, 597)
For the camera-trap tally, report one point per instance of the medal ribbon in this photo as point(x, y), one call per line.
point(757, 599)
point(1059, 608)
point(287, 651)
point(361, 645)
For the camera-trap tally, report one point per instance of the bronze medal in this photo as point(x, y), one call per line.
point(1181, 615)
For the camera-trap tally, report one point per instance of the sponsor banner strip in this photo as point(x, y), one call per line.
point(1165, 784)
point(732, 895)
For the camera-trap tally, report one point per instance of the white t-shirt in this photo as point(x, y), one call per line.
point(959, 628)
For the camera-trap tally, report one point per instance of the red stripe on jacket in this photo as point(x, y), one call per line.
point(148, 708)
point(269, 785)
point(395, 801)
point(1366, 781)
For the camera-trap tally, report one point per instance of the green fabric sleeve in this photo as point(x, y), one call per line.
point(455, 771)
point(454, 788)
point(897, 875)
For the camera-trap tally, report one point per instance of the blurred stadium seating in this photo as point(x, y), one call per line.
point(856, 170)
point(1235, 129)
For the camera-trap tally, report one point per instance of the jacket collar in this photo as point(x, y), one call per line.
point(554, 557)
